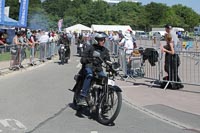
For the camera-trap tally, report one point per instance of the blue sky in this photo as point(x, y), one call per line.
point(194, 4)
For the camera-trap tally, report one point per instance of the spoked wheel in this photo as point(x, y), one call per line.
point(62, 58)
point(75, 100)
point(109, 107)
point(66, 60)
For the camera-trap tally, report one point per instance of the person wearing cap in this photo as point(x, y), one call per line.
point(172, 59)
point(128, 45)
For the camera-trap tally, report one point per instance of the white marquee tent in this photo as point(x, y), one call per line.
point(123, 28)
point(78, 28)
point(178, 29)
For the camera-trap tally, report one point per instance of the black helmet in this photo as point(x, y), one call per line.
point(100, 36)
point(168, 26)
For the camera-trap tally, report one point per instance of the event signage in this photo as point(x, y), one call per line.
point(23, 13)
point(2, 5)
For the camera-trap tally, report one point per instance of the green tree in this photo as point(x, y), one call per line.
point(14, 8)
point(155, 12)
point(188, 17)
point(171, 18)
point(45, 15)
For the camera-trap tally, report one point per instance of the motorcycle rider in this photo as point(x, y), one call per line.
point(91, 64)
point(64, 40)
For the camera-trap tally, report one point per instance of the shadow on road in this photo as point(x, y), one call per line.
point(83, 112)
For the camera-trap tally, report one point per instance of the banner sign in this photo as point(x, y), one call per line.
point(23, 13)
point(60, 25)
point(2, 5)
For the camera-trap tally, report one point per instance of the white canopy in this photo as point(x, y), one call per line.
point(178, 29)
point(123, 28)
point(78, 28)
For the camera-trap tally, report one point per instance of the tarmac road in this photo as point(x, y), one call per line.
point(37, 100)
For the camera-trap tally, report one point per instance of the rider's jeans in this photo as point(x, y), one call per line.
point(88, 78)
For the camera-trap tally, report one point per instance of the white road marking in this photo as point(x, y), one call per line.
point(20, 125)
point(5, 123)
point(93, 132)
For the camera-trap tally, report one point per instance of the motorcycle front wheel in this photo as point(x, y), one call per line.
point(109, 107)
point(62, 58)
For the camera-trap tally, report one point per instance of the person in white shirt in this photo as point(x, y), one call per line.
point(43, 40)
point(128, 45)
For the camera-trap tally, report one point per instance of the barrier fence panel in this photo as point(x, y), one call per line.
point(153, 65)
point(188, 68)
point(122, 60)
point(20, 56)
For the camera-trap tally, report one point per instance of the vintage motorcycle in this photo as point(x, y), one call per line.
point(104, 98)
point(80, 49)
point(64, 53)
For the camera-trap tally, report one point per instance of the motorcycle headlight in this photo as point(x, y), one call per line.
point(116, 66)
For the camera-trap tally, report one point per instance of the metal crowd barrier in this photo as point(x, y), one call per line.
point(112, 46)
point(154, 68)
point(19, 56)
point(188, 68)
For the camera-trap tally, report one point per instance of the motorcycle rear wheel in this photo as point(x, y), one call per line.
point(108, 110)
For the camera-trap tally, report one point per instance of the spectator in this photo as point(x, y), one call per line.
point(24, 42)
point(172, 60)
point(128, 45)
point(32, 47)
point(179, 34)
point(43, 42)
point(52, 44)
point(2, 42)
point(16, 52)
point(56, 37)
point(115, 42)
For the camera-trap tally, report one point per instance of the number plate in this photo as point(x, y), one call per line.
point(111, 82)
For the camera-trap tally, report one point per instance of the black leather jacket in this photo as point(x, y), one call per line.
point(64, 40)
point(88, 60)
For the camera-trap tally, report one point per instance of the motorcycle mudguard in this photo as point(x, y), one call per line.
point(79, 80)
point(78, 85)
point(115, 88)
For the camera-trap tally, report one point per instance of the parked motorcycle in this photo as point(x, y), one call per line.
point(104, 98)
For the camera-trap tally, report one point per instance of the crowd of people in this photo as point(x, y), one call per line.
point(3, 37)
point(47, 43)
point(34, 40)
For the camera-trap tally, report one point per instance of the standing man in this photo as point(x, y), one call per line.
point(43, 41)
point(175, 40)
